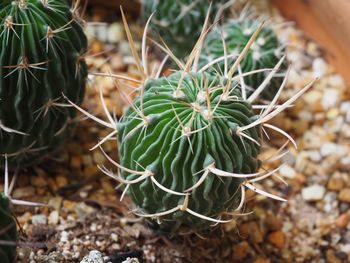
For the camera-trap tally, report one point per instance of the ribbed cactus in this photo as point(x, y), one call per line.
point(189, 143)
point(263, 54)
point(8, 232)
point(179, 22)
point(184, 139)
point(41, 58)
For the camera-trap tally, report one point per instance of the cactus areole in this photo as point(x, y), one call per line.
point(183, 157)
point(8, 232)
point(41, 58)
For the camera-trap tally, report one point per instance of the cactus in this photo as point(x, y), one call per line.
point(264, 53)
point(41, 58)
point(189, 143)
point(8, 232)
point(179, 22)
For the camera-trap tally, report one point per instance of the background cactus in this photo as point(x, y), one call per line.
point(179, 22)
point(42, 48)
point(264, 53)
point(8, 231)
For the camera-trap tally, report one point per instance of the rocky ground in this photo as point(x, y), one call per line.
point(84, 212)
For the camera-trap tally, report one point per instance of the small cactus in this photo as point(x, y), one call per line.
point(264, 53)
point(179, 22)
point(42, 49)
point(189, 143)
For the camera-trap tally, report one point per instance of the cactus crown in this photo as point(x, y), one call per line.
point(264, 53)
point(189, 143)
point(41, 57)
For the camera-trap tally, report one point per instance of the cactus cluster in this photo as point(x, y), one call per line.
point(8, 232)
point(41, 58)
point(265, 53)
point(179, 22)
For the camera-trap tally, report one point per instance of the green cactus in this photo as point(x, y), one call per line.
point(8, 232)
point(41, 58)
point(182, 133)
point(189, 143)
point(264, 53)
point(179, 22)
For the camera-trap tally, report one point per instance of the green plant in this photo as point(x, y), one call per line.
point(189, 143)
point(41, 57)
point(8, 232)
point(264, 53)
point(179, 22)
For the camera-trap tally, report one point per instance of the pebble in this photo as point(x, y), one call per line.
point(344, 195)
point(131, 260)
point(54, 218)
point(287, 171)
point(277, 239)
point(115, 33)
point(342, 220)
point(93, 257)
point(313, 192)
point(335, 183)
point(328, 148)
point(330, 99)
point(241, 250)
point(39, 219)
point(319, 67)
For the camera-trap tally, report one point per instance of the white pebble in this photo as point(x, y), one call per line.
point(115, 33)
point(287, 171)
point(328, 148)
point(39, 220)
point(313, 192)
point(93, 257)
point(330, 98)
point(319, 67)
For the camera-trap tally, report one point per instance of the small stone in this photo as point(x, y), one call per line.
point(319, 67)
point(131, 260)
point(115, 33)
point(313, 192)
point(328, 148)
point(240, 251)
point(252, 231)
point(23, 192)
point(335, 183)
point(345, 163)
point(311, 140)
point(39, 219)
point(344, 195)
point(98, 157)
point(330, 99)
point(277, 239)
point(314, 156)
point(54, 218)
point(93, 257)
point(342, 220)
point(331, 257)
point(61, 181)
point(287, 171)
point(38, 181)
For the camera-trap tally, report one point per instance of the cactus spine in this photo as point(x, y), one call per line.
point(264, 53)
point(41, 58)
